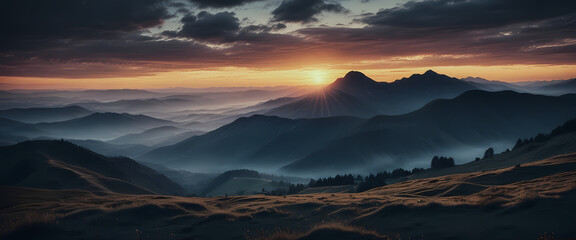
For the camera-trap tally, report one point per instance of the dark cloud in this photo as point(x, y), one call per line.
point(140, 56)
point(207, 26)
point(220, 3)
point(21, 21)
point(470, 14)
point(222, 27)
point(104, 38)
point(133, 54)
point(459, 32)
point(548, 41)
point(304, 11)
point(130, 55)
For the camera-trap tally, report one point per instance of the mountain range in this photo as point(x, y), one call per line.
point(358, 95)
point(467, 124)
point(101, 126)
point(377, 124)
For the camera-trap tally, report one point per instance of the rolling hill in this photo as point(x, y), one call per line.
point(559, 88)
point(462, 127)
point(55, 164)
point(526, 202)
point(257, 141)
point(38, 115)
point(12, 132)
point(154, 136)
point(101, 126)
point(559, 141)
point(166, 104)
point(493, 86)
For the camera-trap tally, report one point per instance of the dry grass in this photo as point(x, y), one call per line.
point(301, 213)
point(27, 218)
point(336, 227)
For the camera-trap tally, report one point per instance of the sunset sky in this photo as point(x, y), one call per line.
point(64, 44)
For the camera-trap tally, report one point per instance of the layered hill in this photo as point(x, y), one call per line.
point(461, 127)
point(166, 104)
point(257, 141)
point(55, 164)
point(561, 87)
point(38, 115)
point(13, 131)
point(467, 125)
point(154, 136)
point(101, 126)
point(491, 85)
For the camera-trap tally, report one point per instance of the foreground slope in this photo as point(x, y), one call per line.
point(511, 203)
point(53, 164)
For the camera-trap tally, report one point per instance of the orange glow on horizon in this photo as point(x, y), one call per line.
point(244, 77)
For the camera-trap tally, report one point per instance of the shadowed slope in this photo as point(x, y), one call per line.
point(475, 118)
point(63, 165)
point(325, 102)
point(256, 141)
point(401, 96)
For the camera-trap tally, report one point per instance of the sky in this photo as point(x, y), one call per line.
point(62, 44)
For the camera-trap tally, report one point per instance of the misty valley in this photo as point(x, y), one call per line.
point(355, 159)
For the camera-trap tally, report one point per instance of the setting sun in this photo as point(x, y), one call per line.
point(319, 77)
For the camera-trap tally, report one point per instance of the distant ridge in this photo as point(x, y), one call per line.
point(102, 126)
point(37, 115)
point(472, 120)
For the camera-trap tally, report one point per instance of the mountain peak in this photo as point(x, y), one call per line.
point(430, 73)
point(354, 78)
point(354, 75)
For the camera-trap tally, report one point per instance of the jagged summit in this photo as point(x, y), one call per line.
point(429, 76)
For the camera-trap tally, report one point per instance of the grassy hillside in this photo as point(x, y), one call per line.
point(511, 203)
